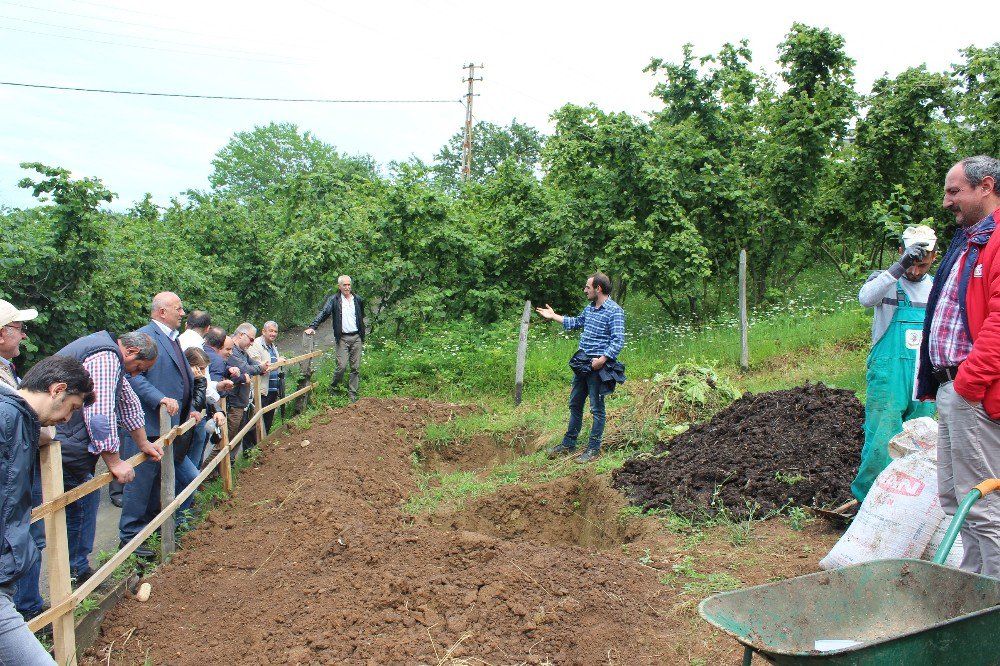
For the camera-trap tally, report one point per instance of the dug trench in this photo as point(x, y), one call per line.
point(315, 561)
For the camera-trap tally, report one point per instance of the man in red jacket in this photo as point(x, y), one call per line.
point(960, 357)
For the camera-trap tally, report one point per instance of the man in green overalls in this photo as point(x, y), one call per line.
point(899, 297)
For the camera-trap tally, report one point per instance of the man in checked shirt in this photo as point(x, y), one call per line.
point(603, 324)
point(959, 362)
point(93, 432)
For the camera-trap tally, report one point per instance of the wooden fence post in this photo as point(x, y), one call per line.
point(744, 333)
point(303, 402)
point(257, 405)
point(522, 353)
point(57, 543)
point(226, 466)
point(167, 477)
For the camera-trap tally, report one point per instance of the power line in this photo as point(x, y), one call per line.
point(229, 97)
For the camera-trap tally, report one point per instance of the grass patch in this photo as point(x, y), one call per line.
point(454, 488)
point(691, 581)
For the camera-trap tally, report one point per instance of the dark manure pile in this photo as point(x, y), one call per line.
point(798, 447)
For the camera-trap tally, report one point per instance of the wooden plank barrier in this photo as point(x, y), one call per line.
point(167, 475)
point(62, 598)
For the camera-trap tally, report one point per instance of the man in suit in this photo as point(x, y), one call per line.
point(346, 311)
point(168, 383)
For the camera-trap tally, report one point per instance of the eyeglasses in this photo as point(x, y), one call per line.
point(22, 327)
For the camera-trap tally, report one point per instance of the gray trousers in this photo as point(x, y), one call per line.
point(969, 453)
point(18, 646)
point(349, 351)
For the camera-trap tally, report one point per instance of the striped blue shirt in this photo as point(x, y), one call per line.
point(603, 329)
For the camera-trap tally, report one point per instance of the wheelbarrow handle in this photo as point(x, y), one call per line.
point(983, 489)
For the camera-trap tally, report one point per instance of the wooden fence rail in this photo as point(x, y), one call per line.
point(62, 598)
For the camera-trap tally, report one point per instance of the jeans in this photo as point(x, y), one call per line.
point(18, 646)
point(266, 401)
point(198, 440)
point(141, 501)
point(584, 387)
point(81, 523)
point(28, 598)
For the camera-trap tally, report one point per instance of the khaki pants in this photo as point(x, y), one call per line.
point(234, 416)
point(348, 351)
point(968, 453)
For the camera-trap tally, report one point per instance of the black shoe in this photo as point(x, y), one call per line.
point(560, 450)
point(45, 631)
point(117, 500)
point(143, 552)
point(588, 455)
point(81, 577)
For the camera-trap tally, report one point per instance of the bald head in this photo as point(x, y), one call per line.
point(167, 309)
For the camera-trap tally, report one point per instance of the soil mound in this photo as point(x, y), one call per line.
point(579, 510)
point(801, 445)
point(312, 562)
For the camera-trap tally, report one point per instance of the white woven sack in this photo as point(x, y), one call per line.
point(897, 518)
point(918, 435)
point(954, 558)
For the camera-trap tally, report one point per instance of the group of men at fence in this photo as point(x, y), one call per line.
point(100, 396)
point(123, 382)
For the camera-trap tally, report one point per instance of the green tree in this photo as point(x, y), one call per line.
point(977, 106)
point(892, 173)
point(76, 230)
point(492, 146)
point(252, 165)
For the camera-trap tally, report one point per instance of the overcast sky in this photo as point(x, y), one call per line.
point(537, 56)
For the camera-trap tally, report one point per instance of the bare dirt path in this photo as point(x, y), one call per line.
point(313, 562)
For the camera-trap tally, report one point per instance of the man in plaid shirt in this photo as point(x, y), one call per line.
point(603, 324)
point(960, 357)
point(96, 431)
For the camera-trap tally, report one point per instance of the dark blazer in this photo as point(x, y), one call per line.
point(239, 395)
point(333, 308)
point(164, 380)
point(217, 369)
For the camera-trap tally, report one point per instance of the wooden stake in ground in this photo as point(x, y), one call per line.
point(226, 466)
point(522, 353)
point(166, 489)
point(744, 337)
point(257, 405)
point(63, 628)
point(306, 378)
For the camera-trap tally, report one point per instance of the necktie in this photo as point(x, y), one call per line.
point(182, 364)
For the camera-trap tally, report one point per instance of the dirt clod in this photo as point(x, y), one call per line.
point(800, 446)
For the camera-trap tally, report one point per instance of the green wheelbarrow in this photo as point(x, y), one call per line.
point(882, 613)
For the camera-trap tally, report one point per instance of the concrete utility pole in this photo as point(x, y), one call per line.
point(467, 144)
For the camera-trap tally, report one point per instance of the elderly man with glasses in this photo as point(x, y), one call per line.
point(238, 399)
point(13, 329)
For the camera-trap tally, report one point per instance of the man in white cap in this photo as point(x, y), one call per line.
point(13, 330)
point(899, 297)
